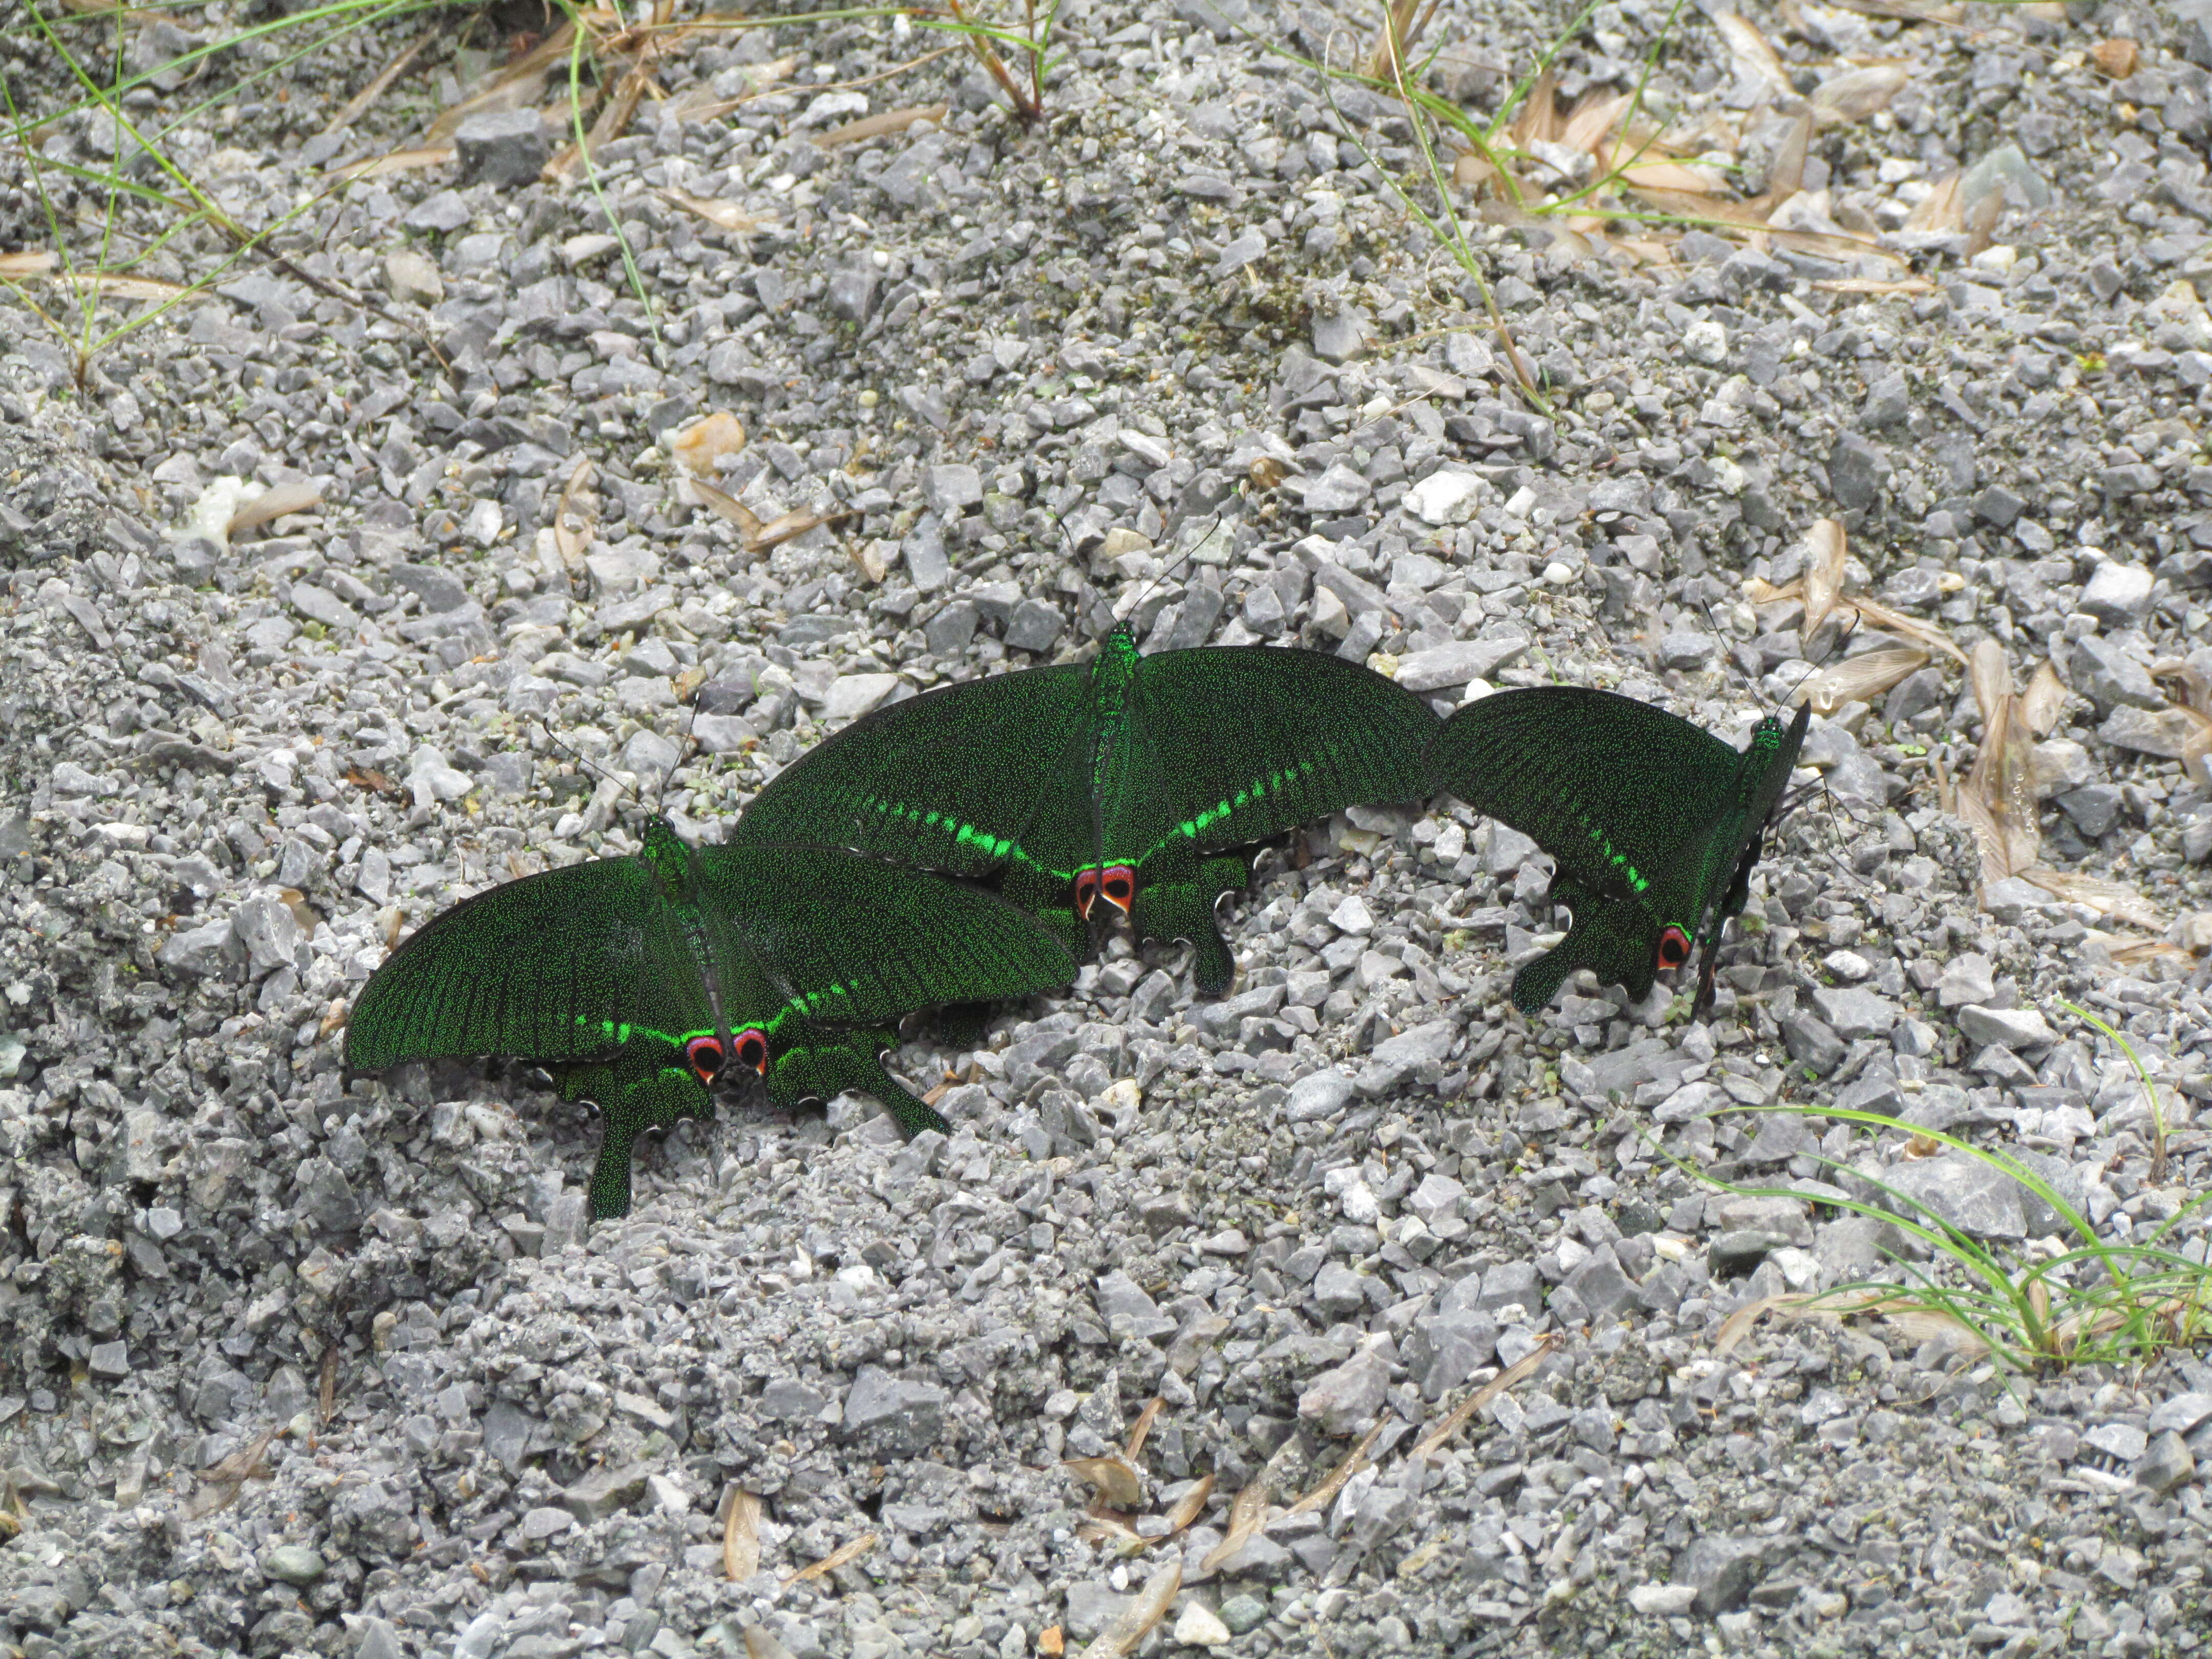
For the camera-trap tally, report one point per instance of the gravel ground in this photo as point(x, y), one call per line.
point(292, 1363)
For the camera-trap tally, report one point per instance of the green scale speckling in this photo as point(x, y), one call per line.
point(1050, 777)
point(610, 971)
point(1671, 819)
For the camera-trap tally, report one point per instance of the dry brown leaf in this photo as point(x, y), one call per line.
point(875, 126)
point(354, 107)
point(2116, 56)
point(219, 1486)
point(1856, 94)
point(1712, 210)
point(1785, 173)
point(1940, 210)
point(1913, 11)
point(517, 84)
point(1192, 1505)
point(741, 1518)
point(1924, 1324)
point(1357, 1459)
point(612, 121)
point(1462, 1414)
point(2108, 899)
point(2039, 705)
point(759, 1644)
point(1826, 244)
point(1151, 1606)
point(1141, 1430)
point(1109, 1530)
point(836, 1558)
point(1981, 221)
point(791, 526)
point(1591, 118)
point(273, 503)
point(1860, 679)
point(1794, 1304)
point(1991, 676)
point(575, 516)
point(1537, 121)
point(1874, 286)
point(1249, 1508)
point(730, 507)
point(1115, 1479)
point(398, 161)
point(1827, 549)
point(697, 447)
point(1874, 614)
point(1753, 56)
point(718, 211)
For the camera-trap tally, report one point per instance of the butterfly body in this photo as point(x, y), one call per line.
point(1654, 824)
point(643, 980)
point(1114, 788)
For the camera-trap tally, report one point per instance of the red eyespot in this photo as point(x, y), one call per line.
point(704, 1055)
point(1118, 887)
point(1674, 948)
point(753, 1050)
point(1086, 892)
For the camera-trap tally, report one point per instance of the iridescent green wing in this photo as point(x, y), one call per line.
point(1614, 789)
point(1247, 741)
point(947, 780)
point(553, 967)
point(850, 939)
point(1628, 799)
point(1762, 774)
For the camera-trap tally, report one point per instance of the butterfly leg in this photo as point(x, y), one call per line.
point(1620, 953)
point(829, 1063)
point(1184, 909)
point(632, 1094)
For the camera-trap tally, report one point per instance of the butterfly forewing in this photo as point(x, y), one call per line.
point(848, 939)
point(1252, 740)
point(948, 780)
point(1614, 789)
point(549, 967)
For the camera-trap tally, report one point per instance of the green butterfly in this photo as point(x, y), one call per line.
point(1654, 825)
point(644, 980)
point(1111, 789)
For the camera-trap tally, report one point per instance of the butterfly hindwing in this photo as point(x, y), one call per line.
point(852, 939)
point(549, 967)
point(1652, 823)
point(947, 780)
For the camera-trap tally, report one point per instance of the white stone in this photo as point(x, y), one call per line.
point(1199, 1626)
point(1446, 496)
point(852, 696)
point(1352, 917)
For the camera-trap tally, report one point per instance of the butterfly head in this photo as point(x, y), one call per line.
point(707, 1058)
point(1116, 885)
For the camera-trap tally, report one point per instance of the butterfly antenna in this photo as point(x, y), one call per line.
point(589, 764)
point(1171, 566)
point(683, 748)
point(1728, 654)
